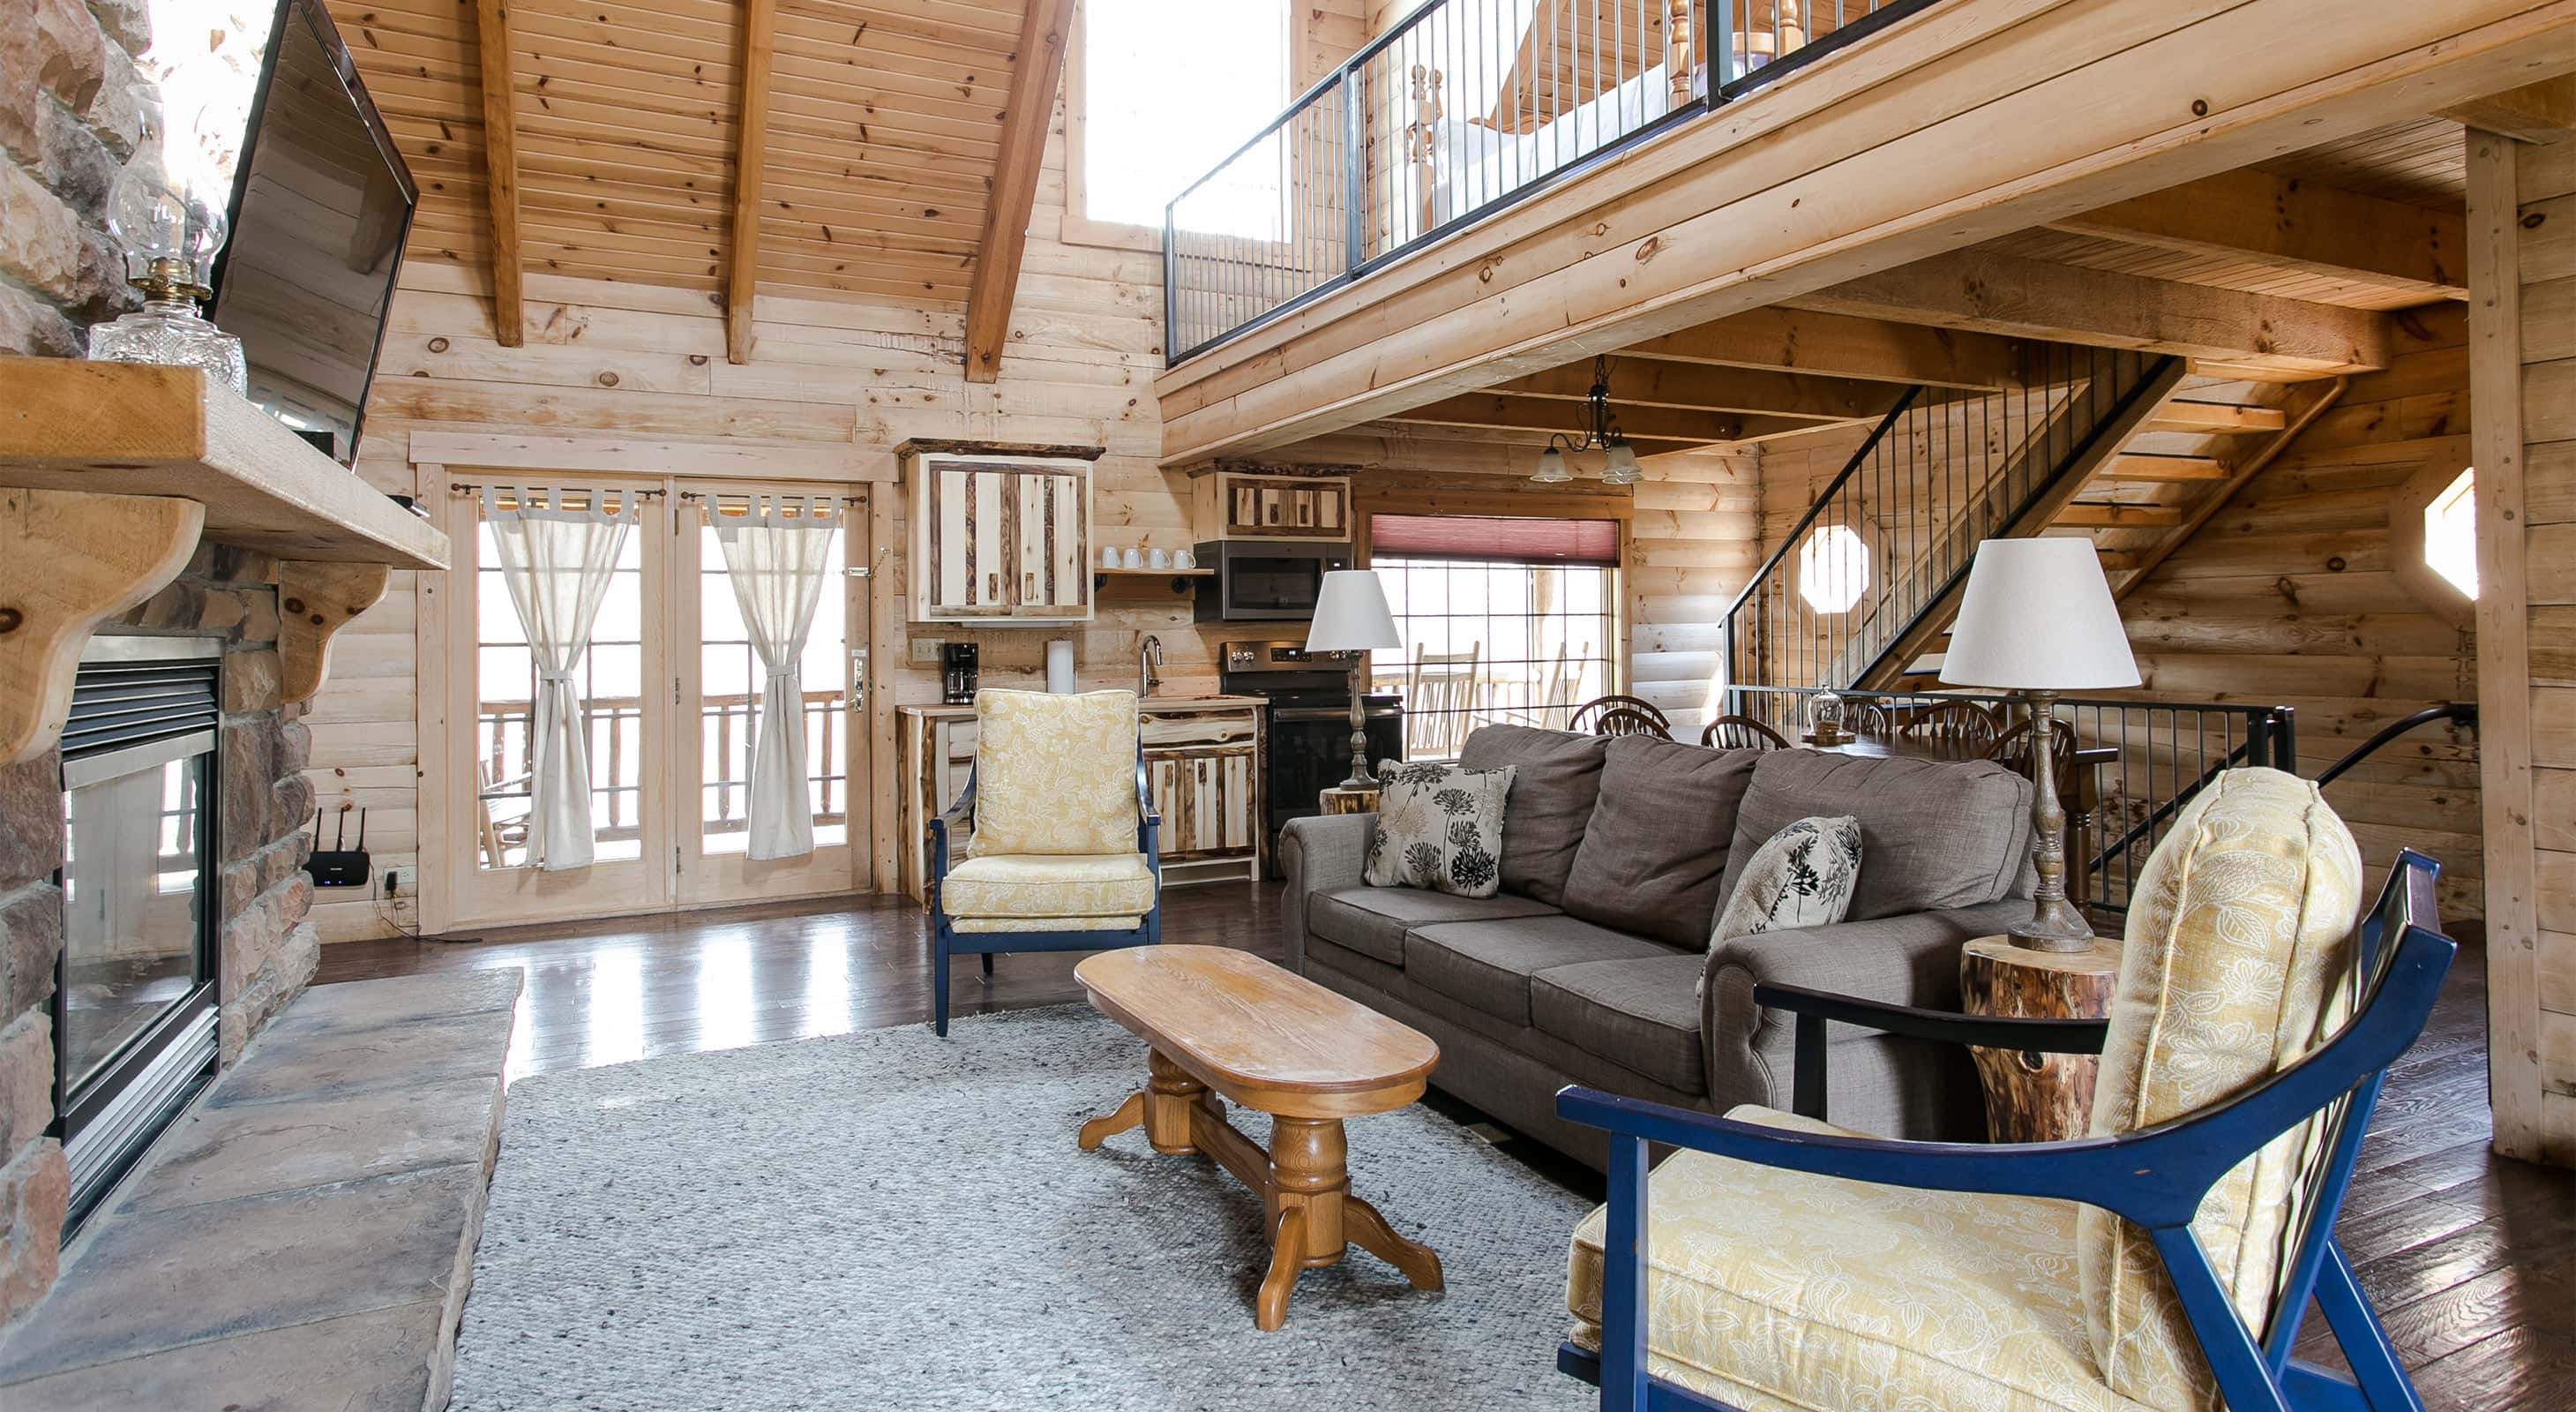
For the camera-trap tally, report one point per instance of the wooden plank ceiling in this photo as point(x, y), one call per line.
point(884, 122)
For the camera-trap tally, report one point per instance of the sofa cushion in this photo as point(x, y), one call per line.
point(1373, 920)
point(1040, 885)
point(1557, 778)
point(1934, 833)
point(1642, 1015)
point(1489, 964)
point(1654, 850)
point(2238, 961)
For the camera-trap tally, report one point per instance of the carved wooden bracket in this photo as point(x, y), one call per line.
point(74, 561)
point(315, 601)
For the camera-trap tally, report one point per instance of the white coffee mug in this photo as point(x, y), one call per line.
point(1158, 560)
point(1184, 559)
point(1109, 556)
point(1135, 560)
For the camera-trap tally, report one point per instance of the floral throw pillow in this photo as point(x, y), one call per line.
point(1802, 877)
point(1439, 827)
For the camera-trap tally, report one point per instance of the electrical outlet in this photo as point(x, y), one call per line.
point(397, 882)
point(925, 651)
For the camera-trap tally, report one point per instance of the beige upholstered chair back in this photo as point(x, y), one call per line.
point(1055, 774)
point(2238, 960)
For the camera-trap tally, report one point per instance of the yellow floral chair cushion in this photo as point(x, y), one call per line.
point(1776, 1291)
point(2237, 962)
point(1025, 888)
point(1054, 773)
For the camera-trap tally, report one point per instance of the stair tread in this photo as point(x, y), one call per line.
point(2160, 469)
point(2218, 418)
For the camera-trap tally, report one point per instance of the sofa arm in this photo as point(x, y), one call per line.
point(1323, 853)
point(1907, 960)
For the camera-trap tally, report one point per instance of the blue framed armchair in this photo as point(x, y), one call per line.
point(2164, 1262)
point(1035, 856)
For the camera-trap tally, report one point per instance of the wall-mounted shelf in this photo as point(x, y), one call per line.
point(110, 475)
point(1181, 580)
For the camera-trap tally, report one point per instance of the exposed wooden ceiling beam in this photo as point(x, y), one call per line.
point(2536, 112)
point(1829, 345)
point(2297, 226)
point(501, 170)
point(750, 167)
point(1037, 66)
point(1548, 414)
point(2004, 294)
point(1646, 382)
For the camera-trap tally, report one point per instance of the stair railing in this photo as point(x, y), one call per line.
point(2461, 712)
point(1889, 539)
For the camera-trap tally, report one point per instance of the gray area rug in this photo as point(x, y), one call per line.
point(889, 1220)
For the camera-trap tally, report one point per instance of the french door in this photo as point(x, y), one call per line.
point(672, 688)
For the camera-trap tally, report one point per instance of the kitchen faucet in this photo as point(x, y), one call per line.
point(1149, 657)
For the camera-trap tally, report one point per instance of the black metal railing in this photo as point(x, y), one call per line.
point(1845, 593)
point(2460, 712)
point(1461, 109)
point(2145, 760)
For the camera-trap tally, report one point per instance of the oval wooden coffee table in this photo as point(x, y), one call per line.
point(1221, 1022)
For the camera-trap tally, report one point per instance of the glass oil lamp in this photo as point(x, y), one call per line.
point(168, 230)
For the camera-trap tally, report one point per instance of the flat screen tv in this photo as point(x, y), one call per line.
point(321, 204)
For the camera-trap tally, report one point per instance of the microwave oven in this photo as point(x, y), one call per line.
point(1265, 581)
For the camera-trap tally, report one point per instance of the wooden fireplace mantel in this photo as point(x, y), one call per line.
point(110, 475)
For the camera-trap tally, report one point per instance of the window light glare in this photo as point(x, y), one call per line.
point(1833, 569)
point(2451, 533)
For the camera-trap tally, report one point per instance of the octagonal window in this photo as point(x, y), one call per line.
point(2451, 533)
point(1833, 569)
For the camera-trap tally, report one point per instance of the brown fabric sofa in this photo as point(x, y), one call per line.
point(1587, 966)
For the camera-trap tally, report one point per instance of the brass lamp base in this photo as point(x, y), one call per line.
point(2058, 927)
point(2055, 923)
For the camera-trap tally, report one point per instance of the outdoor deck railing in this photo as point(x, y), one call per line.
point(1462, 108)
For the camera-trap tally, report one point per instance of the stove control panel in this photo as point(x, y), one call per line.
point(1280, 657)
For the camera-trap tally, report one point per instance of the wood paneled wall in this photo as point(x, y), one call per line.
point(2287, 597)
point(2522, 366)
point(1691, 549)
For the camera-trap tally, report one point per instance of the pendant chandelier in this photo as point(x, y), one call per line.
point(1601, 433)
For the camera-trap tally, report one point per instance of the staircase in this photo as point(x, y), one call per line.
point(2130, 450)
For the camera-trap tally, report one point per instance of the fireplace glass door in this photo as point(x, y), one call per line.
point(134, 1019)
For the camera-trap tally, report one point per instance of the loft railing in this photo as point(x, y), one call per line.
point(1461, 109)
point(2155, 756)
point(1890, 537)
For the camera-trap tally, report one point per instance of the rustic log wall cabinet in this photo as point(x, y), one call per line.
point(111, 473)
point(1257, 505)
point(1000, 534)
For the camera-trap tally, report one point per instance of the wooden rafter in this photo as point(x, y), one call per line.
point(2005, 294)
point(751, 162)
point(1833, 346)
point(1545, 414)
point(501, 170)
point(2536, 112)
point(1647, 382)
point(1036, 68)
point(2294, 225)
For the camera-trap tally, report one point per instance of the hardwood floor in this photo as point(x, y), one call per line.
point(2471, 1258)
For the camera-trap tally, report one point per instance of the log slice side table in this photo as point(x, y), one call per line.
point(2033, 1097)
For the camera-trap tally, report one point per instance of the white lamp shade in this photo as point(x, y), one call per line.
point(2038, 616)
point(1351, 614)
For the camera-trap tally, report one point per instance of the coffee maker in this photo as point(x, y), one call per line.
point(957, 673)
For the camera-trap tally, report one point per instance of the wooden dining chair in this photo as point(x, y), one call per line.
point(2012, 751)
point(1627, 720)
point(1963, 724)
point(1741, 733)
point(1590, 717)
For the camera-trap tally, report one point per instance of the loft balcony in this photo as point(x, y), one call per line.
point(1791, 208)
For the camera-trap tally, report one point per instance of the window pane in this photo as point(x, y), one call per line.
point(1498, 642)
point(1171, 88)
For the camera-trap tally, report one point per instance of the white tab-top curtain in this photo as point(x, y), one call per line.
point(777, 557)
point(558, 564)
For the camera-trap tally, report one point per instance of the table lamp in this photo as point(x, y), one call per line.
point(1351, 616)
point(2038, 619)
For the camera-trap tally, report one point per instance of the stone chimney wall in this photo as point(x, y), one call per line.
point(68, 121)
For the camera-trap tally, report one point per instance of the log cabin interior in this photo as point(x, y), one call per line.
point(1885, 692)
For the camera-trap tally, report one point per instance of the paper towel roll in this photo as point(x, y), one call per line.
point(1060, 665)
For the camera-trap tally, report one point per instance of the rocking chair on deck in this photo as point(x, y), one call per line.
point(2164, 1262)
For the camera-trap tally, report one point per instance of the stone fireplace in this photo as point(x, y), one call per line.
point(265, 949)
